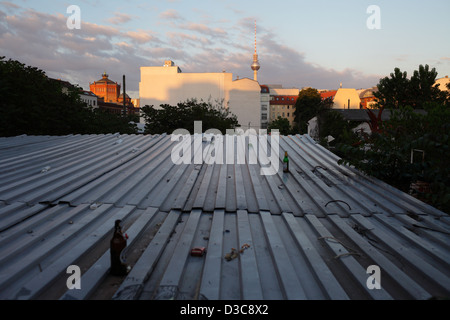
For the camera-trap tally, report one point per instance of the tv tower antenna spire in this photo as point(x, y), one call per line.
point(255, 65)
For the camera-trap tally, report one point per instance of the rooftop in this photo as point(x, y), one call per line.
point(104, 79)
point(308, 234)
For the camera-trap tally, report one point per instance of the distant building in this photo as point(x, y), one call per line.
point(89, 98)
point(282, 103)
point(136, 103)
point(169, 85)
point(86, 96)
point(328, 94)
point(265, 106)
point(66, 86)
point(443, 82)
point(117, 108)
point(106, 89)
point(346, 99)
point(128, 100)
point(368, 100)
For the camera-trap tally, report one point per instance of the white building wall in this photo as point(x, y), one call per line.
point(342, 98)
point(245, 103)
point(265, 110)
point(89, 99)
point(284, 91)
point(168, 85)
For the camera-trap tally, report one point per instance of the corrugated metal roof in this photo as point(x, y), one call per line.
point(311, 234)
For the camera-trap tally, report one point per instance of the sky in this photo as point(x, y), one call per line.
point(300, 43)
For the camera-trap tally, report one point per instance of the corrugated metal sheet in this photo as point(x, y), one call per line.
point(311, 234)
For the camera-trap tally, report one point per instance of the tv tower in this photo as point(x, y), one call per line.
point(255, 65)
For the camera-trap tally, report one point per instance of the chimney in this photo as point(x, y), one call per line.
point(124, 100)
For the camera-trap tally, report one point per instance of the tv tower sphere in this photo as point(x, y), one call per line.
point(255, 65)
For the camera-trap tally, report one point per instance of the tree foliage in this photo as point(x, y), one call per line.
point(398, 90)
point(332, 123)
point(34, 104)
point(169, 118)
point(282, 125)
point(329, 122)
point(307, 106)
point(423, 137)
point(387, 154)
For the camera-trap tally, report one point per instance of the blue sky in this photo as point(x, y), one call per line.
point(300, 43)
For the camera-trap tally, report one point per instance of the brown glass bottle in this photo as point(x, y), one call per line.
point(117, 244)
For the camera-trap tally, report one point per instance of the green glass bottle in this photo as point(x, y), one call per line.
point(286, 162)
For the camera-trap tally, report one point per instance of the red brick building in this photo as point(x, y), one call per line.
point(106, 89)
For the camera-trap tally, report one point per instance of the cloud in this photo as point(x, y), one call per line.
point(80, 56)
point(204, 29)
point(141, 36)
point(280, 63)
point(44, 41)
point(170, 14)
point(9, 5)
point(185, 39)
point(120, 18)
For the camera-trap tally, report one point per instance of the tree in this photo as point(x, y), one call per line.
point(34, 104)
point(182, 116)
point(307, 107)
point(394, 91)
point(332, 123)
point(423, 88)
point(282, 125)
point(398, 90)
point(386, 154)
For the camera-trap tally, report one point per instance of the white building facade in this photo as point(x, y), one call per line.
point(169, 85)
point(346, 99)
point(89, 98)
